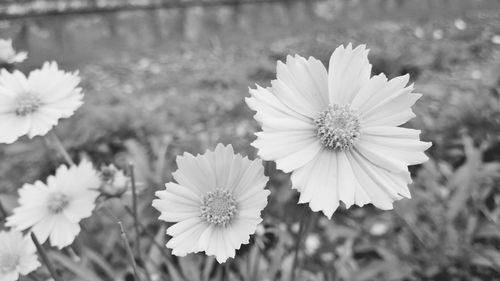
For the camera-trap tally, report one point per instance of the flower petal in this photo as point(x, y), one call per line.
point(348, 71)
point(317, 183)
point(291, 150)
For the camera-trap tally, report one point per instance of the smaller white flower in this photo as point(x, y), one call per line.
point(54, 210)
point(216, 203)
point(33, 105)
point(8, 55)
point(17, 255)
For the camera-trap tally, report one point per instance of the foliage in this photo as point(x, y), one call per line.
point(150, 107)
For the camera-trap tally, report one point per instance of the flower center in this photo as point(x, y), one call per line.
point(338, 127)
point(57, 202)
point(218, 207)
point(27, 103)
point(8, 262)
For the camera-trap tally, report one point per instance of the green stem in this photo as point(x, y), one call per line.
point(129, 251)
point(60, 148)
point(298, 242)
point(45, 258)
point(3, 213)
point(134, 210)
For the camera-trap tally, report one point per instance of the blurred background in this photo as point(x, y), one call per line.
point(162, 77)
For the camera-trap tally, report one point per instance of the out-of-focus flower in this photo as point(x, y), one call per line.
point(113, 181)
point(495, 39)
point(216, 204)
point(17, 255)
point(8, 55)
point(33, 105)
point(460, 24)
point(338, 131)
point(379, 228)
point(55, 209)
point(311, 244)
point(419, 32)
point(437, 34)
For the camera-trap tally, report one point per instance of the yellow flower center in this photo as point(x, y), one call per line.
point(8, 262)
point(218, 207)
point(57, 202)
point(26, 103)
point(338, 127)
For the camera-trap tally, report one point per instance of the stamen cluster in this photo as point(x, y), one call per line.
point(57, 202)
point(27, 103)
point(338, 127)
point(218, 207)
point(8, 262)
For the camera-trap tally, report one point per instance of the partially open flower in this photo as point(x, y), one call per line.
point(114, 182)
point(216, 204)
point(8, 55)
point(54, 210)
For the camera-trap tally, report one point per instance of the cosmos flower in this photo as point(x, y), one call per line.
point(33, 105)
point(8, 55)
point(54, 210)
point(215, 204)
point(338, 131)
point(17, 255)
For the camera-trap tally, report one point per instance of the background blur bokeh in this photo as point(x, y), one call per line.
point(161, 81)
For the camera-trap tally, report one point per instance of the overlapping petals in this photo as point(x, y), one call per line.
point(375, 169)
point(240, 179)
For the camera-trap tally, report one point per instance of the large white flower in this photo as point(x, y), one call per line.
point(17, 255)
point(216, 204)
point(33, 105)
point(7, 53)
point(55, 209)
point(338, 131)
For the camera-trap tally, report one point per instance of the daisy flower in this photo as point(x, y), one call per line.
point(54, 210)
point(33, 105)
point(8, 55)
point(338, 131)
point(17, 255)
point(215, 204)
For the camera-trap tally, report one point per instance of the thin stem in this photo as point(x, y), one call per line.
point(256, 264)
point(3, 213)
point(59, 146)
point(129, 251)
point(150, 236)
point(134, 209)
point(298, 242)
point(44, 257)
point(226, 270)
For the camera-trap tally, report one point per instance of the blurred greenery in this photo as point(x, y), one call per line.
point(148, 101)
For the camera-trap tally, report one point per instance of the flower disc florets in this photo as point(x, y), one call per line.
point(27, 103)
point(338, 127)
point(57, 202)
point(218, 207)
point(8, 262)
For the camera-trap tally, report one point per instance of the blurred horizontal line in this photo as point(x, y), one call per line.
point(153, 6)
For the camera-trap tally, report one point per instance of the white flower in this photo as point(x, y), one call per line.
point(17, 255)
point(7, 53)
point(33, 105)
point(216, 204)
point(337, 131)
point(55, 209)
